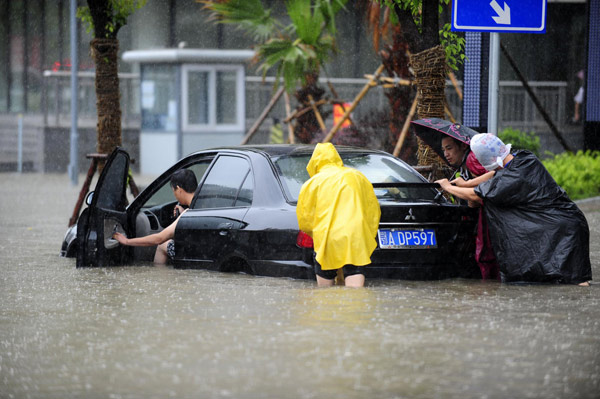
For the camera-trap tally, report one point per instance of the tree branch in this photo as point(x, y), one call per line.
point(100, 10)
point(431, 28)
point(409, 28)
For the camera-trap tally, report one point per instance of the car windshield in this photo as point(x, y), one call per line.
point(378, 168)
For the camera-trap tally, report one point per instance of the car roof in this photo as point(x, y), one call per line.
point(277, 150)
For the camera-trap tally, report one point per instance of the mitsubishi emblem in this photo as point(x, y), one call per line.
point(410, 215)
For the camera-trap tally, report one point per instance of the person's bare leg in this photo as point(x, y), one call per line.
point(339, 278)
point(355, 281)
point(323, 282)
point(584, 284)
point(160, 256)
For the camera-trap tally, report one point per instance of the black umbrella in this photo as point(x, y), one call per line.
point(429, 131)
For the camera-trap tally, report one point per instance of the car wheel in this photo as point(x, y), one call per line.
point(236, 265)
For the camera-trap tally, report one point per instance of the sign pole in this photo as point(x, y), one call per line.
point(73, 153)
point(494, 77)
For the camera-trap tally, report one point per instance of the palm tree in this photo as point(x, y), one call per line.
point(105, 18)
point(296, 51)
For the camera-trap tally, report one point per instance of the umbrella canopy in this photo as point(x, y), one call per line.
point(430, 130)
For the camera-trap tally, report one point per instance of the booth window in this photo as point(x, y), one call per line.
point(159, 97)
point(213, 98)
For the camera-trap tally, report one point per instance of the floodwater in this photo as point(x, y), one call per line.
point(157, 332)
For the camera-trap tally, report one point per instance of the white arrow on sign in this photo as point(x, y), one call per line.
point(503, 14)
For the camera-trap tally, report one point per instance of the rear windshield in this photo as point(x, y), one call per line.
point(377, 168)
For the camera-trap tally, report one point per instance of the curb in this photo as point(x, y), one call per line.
point(589, 204)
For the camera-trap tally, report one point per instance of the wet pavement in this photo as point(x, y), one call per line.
point(157, 332)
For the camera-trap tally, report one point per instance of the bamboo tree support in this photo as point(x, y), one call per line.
point(387, 82)
point(411, 114)
point(455, 84)
point(291, 138)
point(372, 82)
point(299, 112)
point(317, 113)
point(262, 116)
point(449, 113)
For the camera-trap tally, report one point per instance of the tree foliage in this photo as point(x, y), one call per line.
point(106, 17)
point(296, 50)
point(578, 174)
point(521, 140)
point(453, 44)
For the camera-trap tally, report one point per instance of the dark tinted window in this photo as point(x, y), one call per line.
point(244, 197)
point(226, 179)
point(377, 168)
point(112, 191)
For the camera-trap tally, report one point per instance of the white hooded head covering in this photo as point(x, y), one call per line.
point(489, 150)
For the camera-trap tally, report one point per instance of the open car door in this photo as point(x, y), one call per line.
point(104, 215)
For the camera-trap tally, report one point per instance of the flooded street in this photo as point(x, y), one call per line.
point(157, 332)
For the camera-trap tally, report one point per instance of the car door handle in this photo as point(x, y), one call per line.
point(224, 228)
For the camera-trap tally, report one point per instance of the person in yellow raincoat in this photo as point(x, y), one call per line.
point(338, 208)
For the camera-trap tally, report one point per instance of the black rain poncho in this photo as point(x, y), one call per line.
point(537, 232)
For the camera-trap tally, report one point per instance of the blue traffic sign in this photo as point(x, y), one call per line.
point(528, 16)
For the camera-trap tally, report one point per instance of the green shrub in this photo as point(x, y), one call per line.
point(521, 140)
point(578, 174)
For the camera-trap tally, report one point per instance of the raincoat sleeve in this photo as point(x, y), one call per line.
point(305, 209)
point(508, 187)
point(525, 182)
point(372, 209)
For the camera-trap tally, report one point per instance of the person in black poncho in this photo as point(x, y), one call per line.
point(538, 234)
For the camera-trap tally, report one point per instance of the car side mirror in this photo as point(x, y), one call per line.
point(89, 198)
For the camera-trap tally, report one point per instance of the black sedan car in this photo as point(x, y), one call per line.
point(243, 216)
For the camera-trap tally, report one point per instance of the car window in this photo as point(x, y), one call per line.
point(228, 183)
point(110, 194)
point(165, 193)
point(244, 197)
point(292, 170)
point(377, 168)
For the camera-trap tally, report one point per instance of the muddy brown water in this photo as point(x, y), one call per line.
point(157, 332)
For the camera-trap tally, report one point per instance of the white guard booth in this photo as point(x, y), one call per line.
point(190, 99)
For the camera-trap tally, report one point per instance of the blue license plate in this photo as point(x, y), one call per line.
point(403, 238)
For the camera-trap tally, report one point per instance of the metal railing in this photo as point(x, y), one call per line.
point(259, 92)
point(57, 97)
point(515, 108)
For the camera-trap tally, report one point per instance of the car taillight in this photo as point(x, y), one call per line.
point(303, 240)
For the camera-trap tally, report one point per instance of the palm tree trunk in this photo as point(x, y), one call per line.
point(104, 53)
point(307, 124)
point(429, 67)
